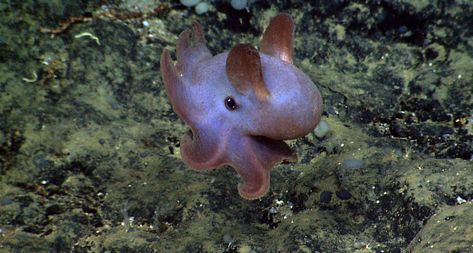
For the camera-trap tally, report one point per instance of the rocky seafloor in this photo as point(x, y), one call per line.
point(89, 144)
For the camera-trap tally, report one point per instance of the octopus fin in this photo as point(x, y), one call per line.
point(278, 38)
point(244, 70)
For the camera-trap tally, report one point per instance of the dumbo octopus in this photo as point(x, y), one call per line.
point(242, 104)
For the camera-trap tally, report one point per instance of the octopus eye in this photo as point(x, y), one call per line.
point(231, 104)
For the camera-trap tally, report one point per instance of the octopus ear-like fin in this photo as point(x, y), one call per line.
point(191, 49)
point(244, 71)
point(278, 38)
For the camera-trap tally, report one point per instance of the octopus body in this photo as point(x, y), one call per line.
point(242, 104)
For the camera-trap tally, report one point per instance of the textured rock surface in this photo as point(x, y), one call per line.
point(89, 156)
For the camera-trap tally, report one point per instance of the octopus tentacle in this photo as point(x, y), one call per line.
point(254, 161)
point(202, 149)
point(191, 49)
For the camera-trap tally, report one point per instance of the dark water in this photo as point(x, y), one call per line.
point(89, 145)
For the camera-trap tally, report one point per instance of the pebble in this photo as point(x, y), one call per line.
point(325, 197)
point(332, 110)
point(202, 8)
point(322, 129)
point(343, 195)
point(41, 162)
point(190, 3)
point(239, 4)
point(353, 163)
point(227, 238)
point(402, 29)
